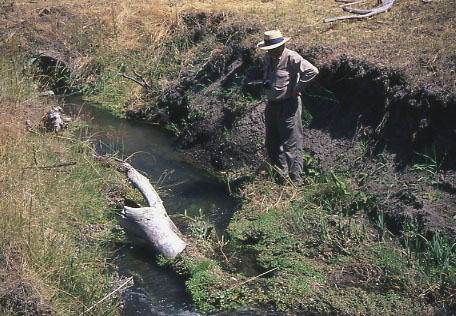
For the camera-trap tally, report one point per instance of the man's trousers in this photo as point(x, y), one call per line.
point(284, 137)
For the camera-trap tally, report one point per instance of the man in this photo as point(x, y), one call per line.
point(285, 76)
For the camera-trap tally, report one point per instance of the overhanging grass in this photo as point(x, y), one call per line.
point(56, 225)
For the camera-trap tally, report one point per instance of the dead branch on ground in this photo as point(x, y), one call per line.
point(150, 225)
point(360, 13)
point(141, 81)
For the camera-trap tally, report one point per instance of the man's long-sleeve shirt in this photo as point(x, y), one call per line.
point(290, 74)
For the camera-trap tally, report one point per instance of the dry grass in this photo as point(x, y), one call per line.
point(53, 220)
point(40, 229)
point(414, 36)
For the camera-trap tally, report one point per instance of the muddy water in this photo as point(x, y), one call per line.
point(157, 291)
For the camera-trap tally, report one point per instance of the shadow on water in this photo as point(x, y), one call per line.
point(182, 186)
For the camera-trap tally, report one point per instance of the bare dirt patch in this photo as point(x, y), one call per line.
point(365, 122)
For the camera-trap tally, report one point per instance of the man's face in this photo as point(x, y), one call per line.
point(276, 52)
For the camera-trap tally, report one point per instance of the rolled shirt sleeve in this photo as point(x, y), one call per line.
point(305, 70)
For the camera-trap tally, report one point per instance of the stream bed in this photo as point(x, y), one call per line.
point(182, 186)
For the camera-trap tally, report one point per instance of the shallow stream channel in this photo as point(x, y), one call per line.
point(182, 187)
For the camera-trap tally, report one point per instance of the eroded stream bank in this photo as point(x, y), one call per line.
point(378, 158)
point(395, 141)
point(359, 115)
point(377, 154)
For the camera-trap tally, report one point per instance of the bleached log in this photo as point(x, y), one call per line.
point(363, 14)
point(152, 224)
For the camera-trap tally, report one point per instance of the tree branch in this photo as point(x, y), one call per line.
point(142, 82)
point(362, 14)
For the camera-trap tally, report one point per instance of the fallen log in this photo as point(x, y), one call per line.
point(362, 14)
point(151, 225)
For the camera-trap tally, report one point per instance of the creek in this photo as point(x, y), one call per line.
point(182, 187)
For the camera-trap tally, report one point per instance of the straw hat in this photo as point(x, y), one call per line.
point(272, 39)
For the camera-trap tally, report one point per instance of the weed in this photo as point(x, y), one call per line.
point(428, 170)
point(174, 128)
point(297, 220)
point(427, 173)
point(306, 117)
point(318, 91)
point(324, 228)
point(381, 226)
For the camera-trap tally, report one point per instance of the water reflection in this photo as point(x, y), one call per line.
point(182, 186)
point(157, 291)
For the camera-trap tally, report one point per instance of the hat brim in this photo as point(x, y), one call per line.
point(261, 45)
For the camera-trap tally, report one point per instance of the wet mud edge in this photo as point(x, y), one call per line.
point(366, 121)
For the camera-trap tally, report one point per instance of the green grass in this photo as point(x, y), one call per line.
point(57, 226)
point(315, 251)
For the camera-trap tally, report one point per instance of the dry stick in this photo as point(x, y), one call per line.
point(221, 248)
point(65, 164)
point(107, 296)
point(133, 79)
point(278, 201)
point(253, 278)
point(361, 14)
point(143, 83)
point(142, 79)
point(350, 3)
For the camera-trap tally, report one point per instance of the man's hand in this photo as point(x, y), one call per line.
point(296, 94)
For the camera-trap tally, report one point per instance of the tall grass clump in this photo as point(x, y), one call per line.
point(56, 226)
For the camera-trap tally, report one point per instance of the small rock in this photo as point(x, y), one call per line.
point(48, 93)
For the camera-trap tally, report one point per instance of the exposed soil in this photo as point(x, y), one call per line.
point(393, 139)
point(367, 121)
point(363, 114)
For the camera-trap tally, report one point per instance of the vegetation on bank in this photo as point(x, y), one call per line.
point(100, 40)
point(319, 249)
point(57, 211)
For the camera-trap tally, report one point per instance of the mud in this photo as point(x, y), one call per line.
point(389, 138)
point(395, 140)
point(18, 294)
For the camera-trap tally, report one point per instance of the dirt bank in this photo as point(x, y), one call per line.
point(391, 139)
point(369, 128)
